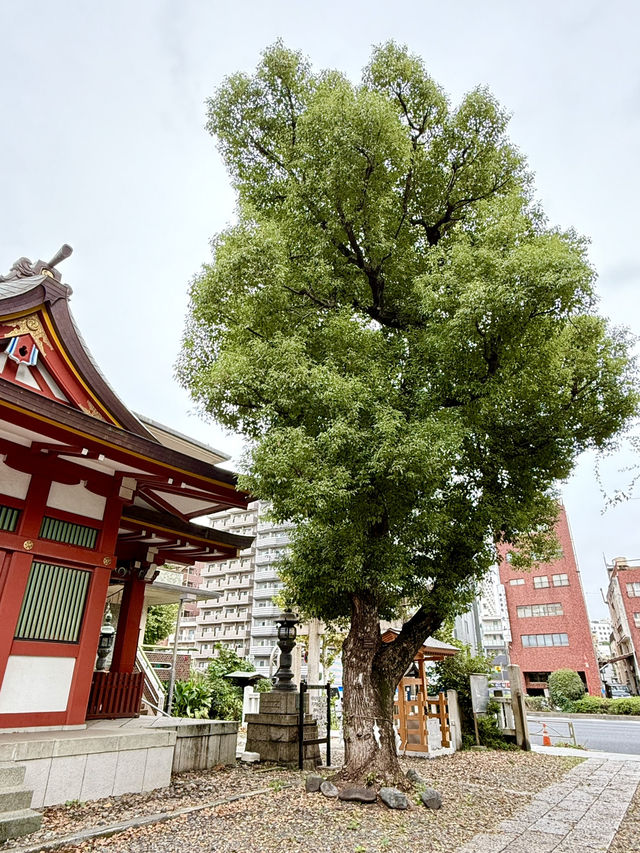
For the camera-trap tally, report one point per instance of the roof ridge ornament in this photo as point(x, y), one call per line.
point(25, 268)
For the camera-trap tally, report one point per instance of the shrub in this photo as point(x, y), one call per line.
point(264, 686)
point(599, 705)
point(490, 734)
point(630, 705)
point(537, 703)
point(589, 705)
point(191, 698)
point(565, 686)
point(226, 700)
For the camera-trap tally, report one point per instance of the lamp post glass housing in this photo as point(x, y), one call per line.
point(286, 641)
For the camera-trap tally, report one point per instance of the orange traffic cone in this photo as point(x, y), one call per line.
point(546, 740)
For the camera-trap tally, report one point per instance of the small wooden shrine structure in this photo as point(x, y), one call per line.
point(91, 495)
point(413, 707)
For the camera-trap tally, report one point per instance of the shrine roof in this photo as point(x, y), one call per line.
point(177, 440)
point(55, 398)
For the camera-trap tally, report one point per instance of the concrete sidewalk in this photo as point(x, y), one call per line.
point(584, 753)
point(579, 814)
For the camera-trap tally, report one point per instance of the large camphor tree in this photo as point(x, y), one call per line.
point(413, 353)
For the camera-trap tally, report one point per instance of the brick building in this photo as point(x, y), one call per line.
point(623, 598)
point(550, 626)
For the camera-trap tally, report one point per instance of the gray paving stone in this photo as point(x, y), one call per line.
point(573, 847)
point(485, 843)
point(540, 842)
point(557, 827)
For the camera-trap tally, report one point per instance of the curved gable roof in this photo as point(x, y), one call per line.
point(19, 297)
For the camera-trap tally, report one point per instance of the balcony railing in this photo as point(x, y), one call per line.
point(115, 694)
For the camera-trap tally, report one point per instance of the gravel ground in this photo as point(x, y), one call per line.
point(627, 838)
point(479, 790)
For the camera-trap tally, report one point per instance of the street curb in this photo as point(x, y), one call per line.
point(583, 716)
point(584, 754)
point(133, 823)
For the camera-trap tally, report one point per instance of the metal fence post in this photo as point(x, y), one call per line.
point(303, 688)
point(328, 724)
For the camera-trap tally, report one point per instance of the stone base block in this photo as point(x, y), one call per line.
point(275, 735)
point(15, 824)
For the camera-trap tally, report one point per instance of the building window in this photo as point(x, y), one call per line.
point(539, 610)
point(541, 582)
point(517, 582)
point(560, 580)
point(633, 590)
point(537, 640)
point(636, 620)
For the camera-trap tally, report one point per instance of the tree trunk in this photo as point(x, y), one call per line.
point(369, 736)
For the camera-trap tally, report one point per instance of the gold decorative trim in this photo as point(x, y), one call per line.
point(28, 545)
point(29, 325)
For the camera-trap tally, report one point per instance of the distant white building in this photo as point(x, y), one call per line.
point(485, 626)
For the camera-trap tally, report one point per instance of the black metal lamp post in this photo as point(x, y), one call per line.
point(107, 634)
point(286, 641)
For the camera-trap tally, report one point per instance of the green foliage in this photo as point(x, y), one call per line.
point(490, 734)
point(600, 705)
point(565, 686)
point(264, 686)
point(412, 351)
point(226, 698)
point(191, 698)
point(226, 660)
point(161, 621)
point(537, 703)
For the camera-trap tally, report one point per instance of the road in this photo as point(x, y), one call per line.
point(609, 735)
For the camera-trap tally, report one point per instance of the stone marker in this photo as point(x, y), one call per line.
point(394, 798)
point(312, 783)
point(250, 757)
point(431, 798)
point(357, 794)
point(328, 789)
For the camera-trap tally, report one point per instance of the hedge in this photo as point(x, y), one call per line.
point(600, 705)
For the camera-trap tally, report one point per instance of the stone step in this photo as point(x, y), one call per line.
point(14, 799)
point(22, 822)
point(11, 774)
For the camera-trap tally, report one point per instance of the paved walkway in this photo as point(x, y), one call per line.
point(579, 814)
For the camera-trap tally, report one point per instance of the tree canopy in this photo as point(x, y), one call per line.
point(413, 351)
point(161, 621)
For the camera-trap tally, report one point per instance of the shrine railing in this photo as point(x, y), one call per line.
point(115, 694)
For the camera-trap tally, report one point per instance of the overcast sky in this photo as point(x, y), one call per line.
point(102, 146)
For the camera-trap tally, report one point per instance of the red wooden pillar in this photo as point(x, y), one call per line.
point(126, 644)
point(88, 646)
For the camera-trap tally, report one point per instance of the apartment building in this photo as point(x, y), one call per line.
point(226, 619)
point(548, 616)
point(623, 599)
point(243, 616)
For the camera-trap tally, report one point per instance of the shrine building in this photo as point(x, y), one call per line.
point(92, 499)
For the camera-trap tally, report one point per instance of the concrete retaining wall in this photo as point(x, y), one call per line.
point(202, 744)
point(78, 765)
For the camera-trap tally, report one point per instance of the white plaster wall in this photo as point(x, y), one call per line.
point(36, 684)
point(13, 483)
point(77, 499)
